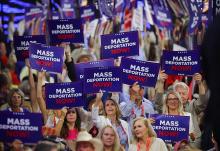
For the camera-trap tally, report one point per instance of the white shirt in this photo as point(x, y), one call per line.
point(157, 145)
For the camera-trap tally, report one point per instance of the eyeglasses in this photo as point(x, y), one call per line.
point(172, 99)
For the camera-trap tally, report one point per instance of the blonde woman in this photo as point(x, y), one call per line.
point(110, 139)
point(172, 105)
point(145, 139)
point(195, 106)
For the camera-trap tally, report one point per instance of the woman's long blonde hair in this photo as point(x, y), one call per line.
point(150, 131)
point(117, 145)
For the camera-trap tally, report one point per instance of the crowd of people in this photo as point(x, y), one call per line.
point(115, 121)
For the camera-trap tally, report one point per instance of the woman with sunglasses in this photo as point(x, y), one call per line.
point(69, 124)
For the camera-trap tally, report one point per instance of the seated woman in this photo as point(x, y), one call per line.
point(111, 117)
point(172, 105)
point(145, 139)
point(110, 139)
point(69, 124)
point(15, 101)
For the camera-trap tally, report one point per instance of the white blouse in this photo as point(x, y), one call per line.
point(157, 145)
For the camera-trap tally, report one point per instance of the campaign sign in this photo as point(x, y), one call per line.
point(65, 30)
point(107, 79)
point(34, 20)
point(68, 13)
point(33, 12)
point(59, 95)
point(55, 15)
point(145, 73)
point(106, 8)
point(87, 13)
point(68, 9)
point(46, 58)
point(216, 8)
point(23, 126)
point(163, 18)
point(171, 128)
point(101, 63)
point(181, 62)
point(120, 44)
point(67, 3)
point(195, 16)
point(21, 45)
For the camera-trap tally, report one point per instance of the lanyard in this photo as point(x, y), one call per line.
point(123, 130)
point(142, 112)
point(120, 125)
point(148, 144)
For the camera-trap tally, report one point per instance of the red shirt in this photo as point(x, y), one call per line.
point(72, 134)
